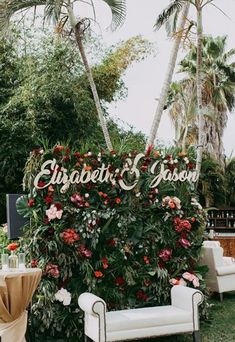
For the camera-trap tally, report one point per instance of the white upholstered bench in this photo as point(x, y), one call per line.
point(179, 317)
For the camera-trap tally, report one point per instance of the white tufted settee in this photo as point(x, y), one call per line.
point(179, 317)
point(221, 275)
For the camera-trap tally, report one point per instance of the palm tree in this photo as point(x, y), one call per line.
point(171, 10)
point(218, 90)
point(174, 8)
point(230, 181)
point(56, 8)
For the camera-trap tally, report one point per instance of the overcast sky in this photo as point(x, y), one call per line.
point(144, 80)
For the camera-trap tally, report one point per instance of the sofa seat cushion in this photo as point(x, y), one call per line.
point(225, 270)
point(146, 317)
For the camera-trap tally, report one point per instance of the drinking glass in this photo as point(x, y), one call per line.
point(21, 259)
point(5, 261)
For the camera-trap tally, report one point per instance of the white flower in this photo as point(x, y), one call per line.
point(63, 296)
point(89, 154)
point(86, 195)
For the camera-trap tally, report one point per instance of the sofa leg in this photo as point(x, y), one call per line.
point(221, 296)
point(196, 336)
point(88, 339)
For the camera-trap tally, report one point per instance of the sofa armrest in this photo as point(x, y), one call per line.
point(225, 270)
point(187, 299)
point(92, 304)
point(228, 261)
point(94, 308)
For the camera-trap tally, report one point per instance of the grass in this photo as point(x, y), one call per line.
point(221, 327)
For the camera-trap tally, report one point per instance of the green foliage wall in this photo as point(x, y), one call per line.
point(125, 246)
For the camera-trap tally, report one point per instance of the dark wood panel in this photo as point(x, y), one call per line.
point(228, 244)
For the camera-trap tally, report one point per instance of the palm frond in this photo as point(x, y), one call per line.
point(174, 7)
point(9, 7)
point(53, 9)
point(118, 9)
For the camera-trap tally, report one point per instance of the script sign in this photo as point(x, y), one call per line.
point(127, 177)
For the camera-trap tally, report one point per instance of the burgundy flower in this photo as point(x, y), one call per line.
point(141, 296)
point(48, 199)
point(31, 202)
point(119, 281)
point(34, 263)
point(165, 254)
point(41, 184)
point(58, 206)
point(112, 242)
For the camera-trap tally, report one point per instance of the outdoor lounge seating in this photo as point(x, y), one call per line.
point(179, 317)
point(221, 275)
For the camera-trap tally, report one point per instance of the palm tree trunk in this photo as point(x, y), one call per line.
point(168, 78)
point(199, 82)
point(78, 29)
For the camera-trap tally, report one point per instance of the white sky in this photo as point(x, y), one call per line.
point(144, 80)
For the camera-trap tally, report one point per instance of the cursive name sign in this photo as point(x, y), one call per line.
point(127, 177)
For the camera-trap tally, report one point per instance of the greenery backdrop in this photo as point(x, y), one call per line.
point(96, 236)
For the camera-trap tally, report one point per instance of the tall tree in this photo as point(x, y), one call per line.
point(162, 19)
point(56, 8)
point(218, 94)
point(172, 9)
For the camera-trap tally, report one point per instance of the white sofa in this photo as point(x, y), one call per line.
point(221, 275)
point(179, 317)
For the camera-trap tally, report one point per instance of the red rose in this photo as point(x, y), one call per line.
point(41, 184)
point(165, 254)
point(98, 274)
point(185, 224)
point(12, 246)
point(31, 202)
point(69, 236)
point(52, 270)
point(58, 148)
point(118, 200)
point(77, 154)
point(105, 263)
point(119, 281)
point(48, 199)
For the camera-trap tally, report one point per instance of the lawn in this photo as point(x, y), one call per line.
point(221, 327)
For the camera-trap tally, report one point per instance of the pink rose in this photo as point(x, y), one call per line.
point(184, 243)
point(53, 213)
point(52, 270)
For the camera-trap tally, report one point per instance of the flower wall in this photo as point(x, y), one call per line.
point(128, 247)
